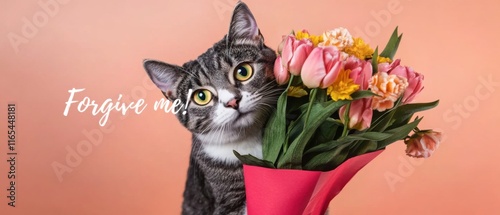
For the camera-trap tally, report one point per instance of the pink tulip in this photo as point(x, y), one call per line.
point(422, 144)
point(294, 53)
point(414, 79)
point(280, 73)
point(361, 71)
point(322, 67)
point(360, 113)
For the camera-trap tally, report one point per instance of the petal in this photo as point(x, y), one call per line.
point(395, 63)
point(331, 75)
point(313, 70)
point(413, 89)
point(287, 52)
point(384, 67)
point(355, 113)
point(352, 63)
point(365, 76)
point(361, 114)
point(399, 71)
point(342, 113)
point(280, 73)
point(298, 59)
point(367, 113)
point(331, 55)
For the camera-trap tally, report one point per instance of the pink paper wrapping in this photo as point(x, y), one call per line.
point(298, 192)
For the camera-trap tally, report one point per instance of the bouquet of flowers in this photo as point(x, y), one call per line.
point(344, 103)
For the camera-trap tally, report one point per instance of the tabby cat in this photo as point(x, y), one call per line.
point(233, 92)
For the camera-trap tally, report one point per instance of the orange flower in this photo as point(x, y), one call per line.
point(339, 37)
point(388, 87)
point(423, 143)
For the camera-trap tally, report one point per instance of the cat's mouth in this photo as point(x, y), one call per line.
point(244, 118)
point(242, 114)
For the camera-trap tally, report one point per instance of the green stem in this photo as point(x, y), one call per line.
point(346, 119)
point(309, 106)
point(289, 83)
point(285, 144)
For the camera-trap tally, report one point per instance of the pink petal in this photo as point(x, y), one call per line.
point(331, 75)
point(384, 67)
point(366, 74)
point(298, 59)
point(330, 56)
point(280, 73)
point(313, 70)
point(399, 71)
point(414, 88)
point(368, 113)
point(352, 63)
point(287, 52)
point(342, 113)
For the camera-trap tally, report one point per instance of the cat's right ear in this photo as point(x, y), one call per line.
point(164, 76)
point(243, 24)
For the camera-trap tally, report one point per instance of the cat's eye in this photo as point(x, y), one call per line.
point(202, 97)
point(243, 72)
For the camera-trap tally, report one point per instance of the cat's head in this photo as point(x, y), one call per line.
point(233, 87)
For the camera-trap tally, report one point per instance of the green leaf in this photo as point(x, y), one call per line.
point(294, 103)
point(362, 147)
point(294, 130)
point(321, 95)
point(414, 107)
point(383, 122)
point(297, 81)
point(292, 159)
point(404, 113)
point(336, 121)
point(327, 160)
point(331, 145)
point(398, 133)
point(251, 160)
point(392, 46)
point(327, 131)
point(362, 94)
point(399, 116)
point(375, 61)
point(275, 135)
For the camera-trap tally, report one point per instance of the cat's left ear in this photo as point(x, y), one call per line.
point(243, 25)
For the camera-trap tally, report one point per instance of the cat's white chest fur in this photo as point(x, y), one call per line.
point(224, 151)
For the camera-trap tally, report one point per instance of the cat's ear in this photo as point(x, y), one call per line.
point(165, 76)
point(243, 24)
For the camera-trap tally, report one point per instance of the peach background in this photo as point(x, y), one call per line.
point(140, 166)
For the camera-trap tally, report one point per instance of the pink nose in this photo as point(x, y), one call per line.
point(233, 103)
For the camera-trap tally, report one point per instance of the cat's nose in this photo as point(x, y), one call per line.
point(233, 103)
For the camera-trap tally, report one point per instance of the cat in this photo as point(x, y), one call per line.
point(233, 94)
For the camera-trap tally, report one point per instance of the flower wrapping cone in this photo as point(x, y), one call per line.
point(297, 192)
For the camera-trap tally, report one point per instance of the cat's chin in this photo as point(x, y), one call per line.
point(244, 120)
point(238, 119)
point(242, 126)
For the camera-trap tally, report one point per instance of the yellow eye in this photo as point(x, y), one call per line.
point(202, 97)
point(243, 72)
